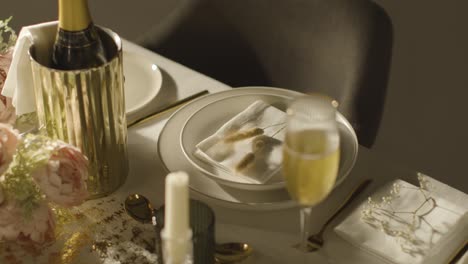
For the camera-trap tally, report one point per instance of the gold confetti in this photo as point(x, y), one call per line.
point(73, 246)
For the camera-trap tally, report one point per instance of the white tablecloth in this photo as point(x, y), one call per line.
point(271, 233)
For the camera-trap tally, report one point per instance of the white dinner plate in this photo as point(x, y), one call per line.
point(174, 159)
point(143, 81)
point(218, 112)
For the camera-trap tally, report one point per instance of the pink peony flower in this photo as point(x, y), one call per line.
point(63, 178)
point(10, 214)
point(7, 110)
point(37, 229)
point(8, 142)
point(2, 195)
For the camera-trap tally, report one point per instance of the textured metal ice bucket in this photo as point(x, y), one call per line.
point(86, 108)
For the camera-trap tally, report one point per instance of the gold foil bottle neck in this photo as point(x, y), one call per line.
point(74, 15)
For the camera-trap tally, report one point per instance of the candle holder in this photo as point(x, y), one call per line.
point(202, 223)
point(86, 108)
point(185, 256)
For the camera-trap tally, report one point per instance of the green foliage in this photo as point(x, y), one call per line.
point(32, 154)
point(7, 35)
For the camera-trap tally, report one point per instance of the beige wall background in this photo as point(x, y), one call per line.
point(424, 125)
point(425, 119)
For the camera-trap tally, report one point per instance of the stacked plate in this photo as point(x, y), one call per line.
point(201, 118)
point(143, 81)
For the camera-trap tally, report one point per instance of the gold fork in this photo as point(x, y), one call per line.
point(316, 241)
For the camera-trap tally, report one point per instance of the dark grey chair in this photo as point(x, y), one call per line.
point(338, 47)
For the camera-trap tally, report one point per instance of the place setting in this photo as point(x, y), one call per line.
point(200, 121)
point(72, 192)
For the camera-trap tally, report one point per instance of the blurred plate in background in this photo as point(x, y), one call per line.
point(143, 81)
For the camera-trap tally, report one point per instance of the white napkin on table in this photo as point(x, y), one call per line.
point(448, 227)
point(227, 156)
point(19, 82)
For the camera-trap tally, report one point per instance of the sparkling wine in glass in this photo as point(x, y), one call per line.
point(310, 154)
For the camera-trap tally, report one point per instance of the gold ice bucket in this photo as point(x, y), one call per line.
point(86, 108)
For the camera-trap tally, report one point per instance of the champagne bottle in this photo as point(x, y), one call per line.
point(77, 44)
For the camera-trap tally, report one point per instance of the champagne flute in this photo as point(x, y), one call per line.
point(310, 154)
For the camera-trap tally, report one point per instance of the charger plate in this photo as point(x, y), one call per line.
point(174, 156)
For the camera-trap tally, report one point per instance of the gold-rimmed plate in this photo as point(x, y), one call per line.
point(172, 153)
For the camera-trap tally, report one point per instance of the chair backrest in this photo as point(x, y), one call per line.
point(338, 47)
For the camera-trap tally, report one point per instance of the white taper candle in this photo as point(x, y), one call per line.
point(176, 216)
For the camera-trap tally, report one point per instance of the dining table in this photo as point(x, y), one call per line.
point(271, 232)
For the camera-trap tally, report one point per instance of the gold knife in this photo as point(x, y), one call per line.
point(166, 109)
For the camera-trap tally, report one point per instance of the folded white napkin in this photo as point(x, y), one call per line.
point(19, 83)
point(236, 158)
point(440, 225)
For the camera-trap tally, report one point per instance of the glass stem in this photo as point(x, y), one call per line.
point(305, 224)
